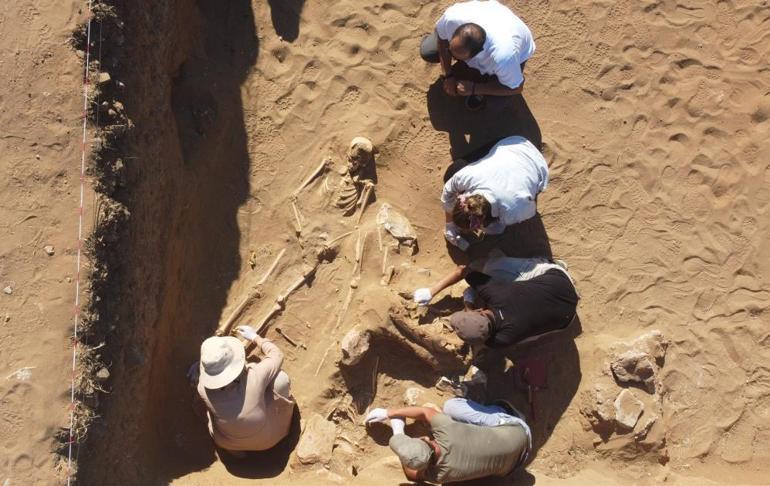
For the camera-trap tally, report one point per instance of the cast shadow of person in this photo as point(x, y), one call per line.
point(471, 130)
point(269, 463)
point(206, 100)
point(285, 15)
point(559, 361)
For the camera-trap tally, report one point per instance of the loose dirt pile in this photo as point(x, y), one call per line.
point(653, 117)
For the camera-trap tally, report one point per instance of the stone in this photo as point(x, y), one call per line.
point(652, 343)
point(635, 367)
point(396, 224)
point(103, 374)
point(413, 396)
point(317, 441)
point(104, 78)
point(598, 408)
point(645, 427)
point(628, 408)
point(49, 250)
point(8, 290)
point(354, 345)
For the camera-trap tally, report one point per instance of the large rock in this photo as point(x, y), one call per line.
point(317, 441)
point(640, 361)
point(354, 346)
point(628, 408)
point(634, 367)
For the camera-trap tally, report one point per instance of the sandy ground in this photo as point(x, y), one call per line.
point(654, 120)
point(40, 120)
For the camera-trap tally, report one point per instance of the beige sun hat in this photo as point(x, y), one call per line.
point(222, 361)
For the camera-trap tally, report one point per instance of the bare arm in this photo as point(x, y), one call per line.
point(450, 279)
point(445, 57)
point(496, 88)
point(417, 413)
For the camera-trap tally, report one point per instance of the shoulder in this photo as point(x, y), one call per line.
point(440, 421)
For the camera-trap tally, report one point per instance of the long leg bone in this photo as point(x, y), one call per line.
point(272, 267)
point(280, 301)
point(263, 323)
point(324, 164)
point(297, 216)
point(343, 235)
point(364, 200)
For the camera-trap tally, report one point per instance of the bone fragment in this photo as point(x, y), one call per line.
point(388, 275)
point(323, 166)
point(265, 320)
point(323, 359)
point(272, 267)
point(287, 338)
point(297, 216)
point(379, 237)
point(364, 200)
point(375, 372)
point(343, 235)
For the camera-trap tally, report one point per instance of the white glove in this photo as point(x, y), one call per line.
point(397, 425)
point(246, 332)
point(452, 234)
point(376, 415)
point(469, 295)
point(422, 296)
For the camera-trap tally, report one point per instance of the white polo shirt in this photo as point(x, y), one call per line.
point(509, 41)
point(510, 177)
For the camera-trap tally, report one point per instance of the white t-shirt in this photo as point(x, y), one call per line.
point(510, 177)
point(515, 269)
point(509, 41)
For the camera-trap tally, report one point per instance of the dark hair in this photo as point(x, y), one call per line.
point(475, 209)
point(472, 37)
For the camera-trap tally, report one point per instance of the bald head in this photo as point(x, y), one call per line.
point(467, 41)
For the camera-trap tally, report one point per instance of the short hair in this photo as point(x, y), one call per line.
point(472, 37)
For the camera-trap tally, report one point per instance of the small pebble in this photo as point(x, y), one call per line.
point(49, 250)
point(8, 290)
point(37, 156)
point(103, 374)
point(7, 317)
point(104, 78)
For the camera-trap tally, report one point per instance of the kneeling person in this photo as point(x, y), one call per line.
point(249, 404)
point(509, 300)
point(469, 441)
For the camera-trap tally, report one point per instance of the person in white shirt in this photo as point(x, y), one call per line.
point(494, 192)
point(488, 37)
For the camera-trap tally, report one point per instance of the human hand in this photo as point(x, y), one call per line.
point(246, 332)
point(376, 415)
point(422, 296)
point(466, 88)
point(450, 85)
point(452, 234)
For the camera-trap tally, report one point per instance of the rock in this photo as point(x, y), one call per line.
point(103, 374)
point(628, 408)
point(598, 408)
point(49, 250)
point(317, 441)
point(396, 224)
point(413, 396)
point(645, 427)
point(354, 345)
point(652, 343)
point(8, 290)
point(635, 367)
point(103, 78)
point(7, 317)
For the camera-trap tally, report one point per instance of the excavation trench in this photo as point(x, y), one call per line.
point(189, 177)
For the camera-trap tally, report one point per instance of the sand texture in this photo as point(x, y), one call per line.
point(652, 115)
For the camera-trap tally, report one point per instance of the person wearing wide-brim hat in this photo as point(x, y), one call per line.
point(249, 404)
